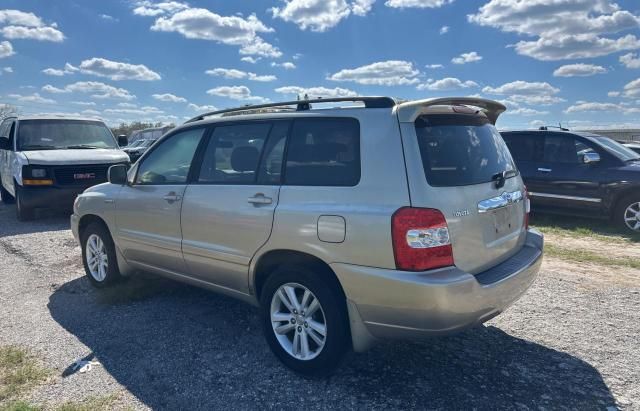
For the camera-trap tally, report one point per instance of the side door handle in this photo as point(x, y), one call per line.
point(260, 199)
point(544, 170)
point(172, 197)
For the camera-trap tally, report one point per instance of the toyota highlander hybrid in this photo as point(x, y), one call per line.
point(45, 162)
point(346, 225)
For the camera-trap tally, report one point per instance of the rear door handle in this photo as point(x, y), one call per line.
point(544, 170)
point(260, 199)
point(172, 197)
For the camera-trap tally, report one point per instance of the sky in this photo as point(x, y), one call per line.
point(575, 62)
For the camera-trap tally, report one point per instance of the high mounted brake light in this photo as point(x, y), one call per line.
point(420, 239)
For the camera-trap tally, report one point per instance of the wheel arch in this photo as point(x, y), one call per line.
point(87, 219)
point(627, 192)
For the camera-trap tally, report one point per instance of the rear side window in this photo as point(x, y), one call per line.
point(523, 147)
point(459, 150)
point(324, 152)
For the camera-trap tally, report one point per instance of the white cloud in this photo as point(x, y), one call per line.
point(384, 73)
point(444, 29)
point(320, 15)
point(287, 65)
point(252, 60)
point(422, 4)
point(84, 103)
point(32, 33)
point(449, 83)
point(149, 8)
point(32, 98)
point(115, 70)
point(465, 58)
point(91, 112)
point(514, 108)
point(613, 94)
point(204, 108)
point(239, 74)
point(99, 90)
point(109, 18)
point(434, 66)
point(235, 93)
point(68, 69)
point(6, 49)
point(197, 23)
point(632, 89)
point(20, 18)
point(127, 105)
point(169, 98)
point(579, 70)
point(585, 106)
point(316, 92)
point(146, 110)
point(630, 61)
point(7, 69)
point(533, 93)
point(563, 29)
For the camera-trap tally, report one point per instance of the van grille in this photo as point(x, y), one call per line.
point(81, 175)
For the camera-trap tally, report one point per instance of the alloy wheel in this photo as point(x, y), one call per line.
point(97, 258)
point(632, 216)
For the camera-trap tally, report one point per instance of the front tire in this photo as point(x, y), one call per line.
point(627, 213)
point(305, 320)
point(99, 256)
point(23, 213)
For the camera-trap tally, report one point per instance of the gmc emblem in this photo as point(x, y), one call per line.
point(84, 176)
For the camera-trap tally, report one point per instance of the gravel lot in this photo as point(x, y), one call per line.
point(573, 342)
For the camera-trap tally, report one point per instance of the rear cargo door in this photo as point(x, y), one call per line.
point(459, 164)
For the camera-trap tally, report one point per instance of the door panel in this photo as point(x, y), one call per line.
point(227, 212)
point(148, 210)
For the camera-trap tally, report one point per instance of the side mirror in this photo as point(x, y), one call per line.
point(4, 143)
point(123, 141)
point(118, 174)
point(589, 158)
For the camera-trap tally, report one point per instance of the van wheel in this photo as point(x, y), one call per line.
point(627, 213)
point(7, 198)
point(23, 213)
point(304, 320)
point(99, 256)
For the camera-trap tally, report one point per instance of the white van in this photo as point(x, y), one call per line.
point(46, 161)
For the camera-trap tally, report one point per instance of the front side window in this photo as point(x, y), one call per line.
point(564, 150)
point(461, 150)
point(64, 134)
point(233, 154)
point(169, 162)
point(324, 152)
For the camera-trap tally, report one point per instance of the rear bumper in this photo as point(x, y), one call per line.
point(395, 304)
point(58, 198)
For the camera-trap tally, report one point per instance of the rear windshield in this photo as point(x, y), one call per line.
point(459, 150)
point(63, 134)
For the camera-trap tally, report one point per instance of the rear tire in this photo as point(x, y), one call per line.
point(6, 197)
point(627, 213)
point(300, 343)
point(23, 213)
point(99, 256)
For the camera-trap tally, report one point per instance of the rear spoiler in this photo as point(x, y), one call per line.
point(408, 112)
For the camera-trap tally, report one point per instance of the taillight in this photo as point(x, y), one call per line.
point(420, 239)
point(527, 208)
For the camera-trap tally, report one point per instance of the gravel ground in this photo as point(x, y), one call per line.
point(570, 343)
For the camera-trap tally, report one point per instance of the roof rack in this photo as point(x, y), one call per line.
point(545, 128)
point(304, 105)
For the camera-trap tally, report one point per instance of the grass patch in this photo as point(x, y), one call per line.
point(582, 256)
point(19, 406)
point(578, 227)
point(18, 372)
point(103, 403)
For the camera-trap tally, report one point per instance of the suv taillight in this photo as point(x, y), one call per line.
point(420, 239)
point(527, 208)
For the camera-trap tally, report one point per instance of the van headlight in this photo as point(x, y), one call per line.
point(38, 172)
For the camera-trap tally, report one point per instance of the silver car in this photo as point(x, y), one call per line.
point(370, 220)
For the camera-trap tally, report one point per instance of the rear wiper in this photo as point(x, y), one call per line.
point(501, 177)
point(81, 146)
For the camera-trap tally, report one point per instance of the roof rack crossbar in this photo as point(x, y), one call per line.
point(302, 105)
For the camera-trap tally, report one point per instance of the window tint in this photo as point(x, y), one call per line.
point(563, 149)
point(4, 128)
point(169, 162)
point(457, 150)
point(233, 153)
point(324, 152)
point(523, 147)
point(271, 166)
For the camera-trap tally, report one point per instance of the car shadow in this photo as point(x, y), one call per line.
point(46, 220)
point(177, 347)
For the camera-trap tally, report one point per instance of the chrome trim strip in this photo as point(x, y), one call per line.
point(500, 201)
point(563, 197)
